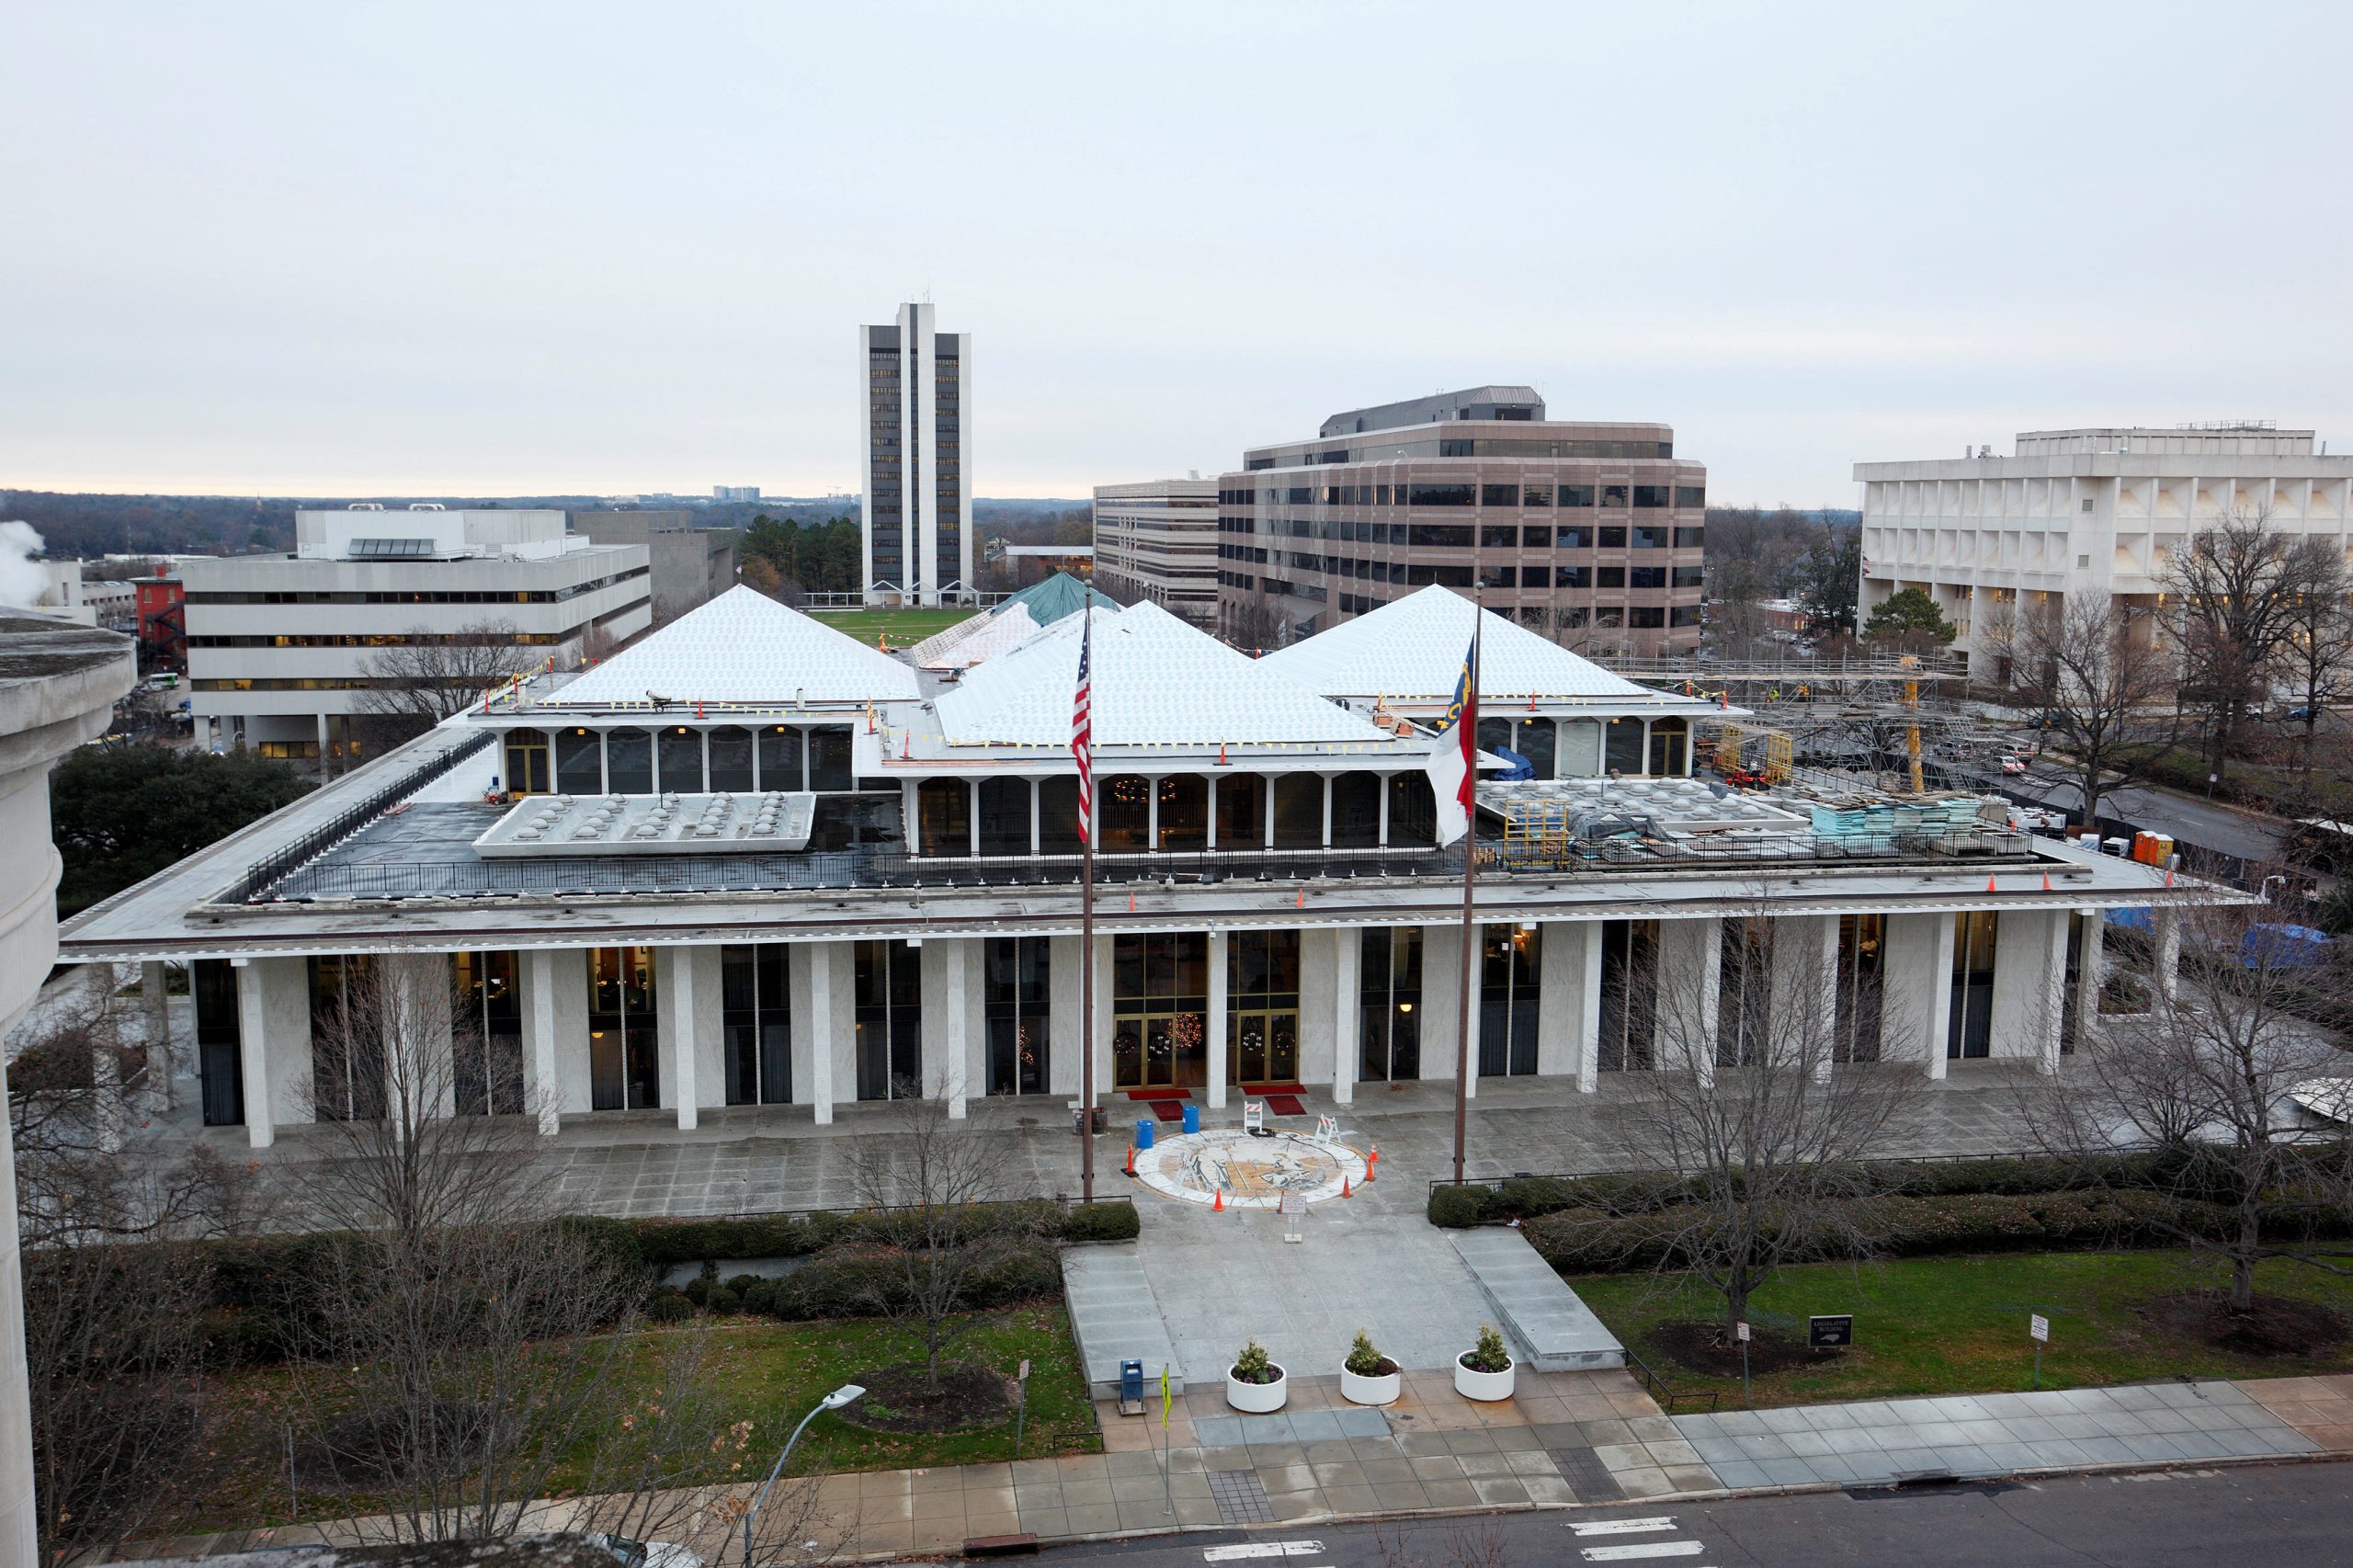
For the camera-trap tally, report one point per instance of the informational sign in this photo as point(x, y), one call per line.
point(2039, 1326)
point(1830, 1331)
point(1023, 1375)
point(1742, 1330)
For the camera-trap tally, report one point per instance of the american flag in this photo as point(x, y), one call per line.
point(1082, 730)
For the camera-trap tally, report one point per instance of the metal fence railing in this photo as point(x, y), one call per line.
point(286, 859)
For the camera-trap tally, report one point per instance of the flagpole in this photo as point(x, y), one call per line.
point(1087, 931)
point(1469, 867)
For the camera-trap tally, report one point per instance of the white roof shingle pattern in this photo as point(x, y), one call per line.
point(1412, 649)
point(744, 647)
point(1156, 681)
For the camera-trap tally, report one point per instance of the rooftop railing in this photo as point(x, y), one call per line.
point(266, 871)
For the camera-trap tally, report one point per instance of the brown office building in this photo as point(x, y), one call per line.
point(1590, 532)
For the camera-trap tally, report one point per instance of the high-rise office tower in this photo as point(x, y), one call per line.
point(916, 517)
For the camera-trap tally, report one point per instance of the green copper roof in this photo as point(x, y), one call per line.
point(1059, 596)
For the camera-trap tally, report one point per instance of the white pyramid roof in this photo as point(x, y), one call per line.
point(1156, 681)
point(979, 637)
point(742, 647)
point(1412, 650)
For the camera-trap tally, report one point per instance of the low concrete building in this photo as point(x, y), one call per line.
point(58, 688)
point(282, 648)
point(691, 564)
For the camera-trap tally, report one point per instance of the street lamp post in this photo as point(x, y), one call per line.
point(833, 1401)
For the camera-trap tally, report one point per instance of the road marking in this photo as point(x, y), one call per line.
point(1625, 1526)
point(1261, 1549)
point(1641, 1548)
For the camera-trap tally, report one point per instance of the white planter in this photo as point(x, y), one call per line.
point(1258, 1399)
point(1483, 1385)
point(1370, 1390)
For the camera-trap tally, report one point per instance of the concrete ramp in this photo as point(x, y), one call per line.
point(1533, 1306)
point(1115, 1317)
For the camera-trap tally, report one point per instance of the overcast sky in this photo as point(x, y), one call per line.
point(493, 249)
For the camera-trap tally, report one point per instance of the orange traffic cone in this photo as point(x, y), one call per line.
point(1372, 1163)
point(1217, 1203)
point(1989, 884)
point(1132, 901)
point(2168, 876)
point(1344, 1188)
point(1131, 1159)
point(2046, 882)
point(1302, 901)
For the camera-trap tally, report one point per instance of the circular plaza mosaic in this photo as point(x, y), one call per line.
point(1249, 1172)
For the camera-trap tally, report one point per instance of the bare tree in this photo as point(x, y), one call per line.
point(1755, 1105)
point(113, 1303)
point(933, 1178)
point(2229, 597)
point(471, 1353)
point(2204, 1078)
point(2093, 675)
point(2316, 655)
point(413, 685)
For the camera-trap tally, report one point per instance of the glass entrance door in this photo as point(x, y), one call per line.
point(1158, 1031)
point(1262, 1030)
point(1263, 1049)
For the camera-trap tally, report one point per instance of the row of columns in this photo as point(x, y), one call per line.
point(273, 996)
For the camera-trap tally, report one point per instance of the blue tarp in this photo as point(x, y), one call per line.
point(2284, 947)
point(2132, 919)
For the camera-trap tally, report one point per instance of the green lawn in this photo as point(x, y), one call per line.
point(904, 626)
point(1935, 1325)
point(774, 1372)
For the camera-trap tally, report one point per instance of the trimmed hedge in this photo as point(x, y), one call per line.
point(664, 1244)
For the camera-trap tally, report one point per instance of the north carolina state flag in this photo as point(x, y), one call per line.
point(1452, 766)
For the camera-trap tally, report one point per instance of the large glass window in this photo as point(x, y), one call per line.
point(679, 751)
point(1499, 536)
point(1004, 816)
point(731, 758)
point(1535, 743)
point(1390, 993)
point(219, 1057)
point(1241, 811)
point(756, 1023)
point(1622, 746)
point(1744, 992)
point(888, 1014)
point(1355, 810)
point(1499, 495)
point(1440, 536)
point(624, 1049)
point(1440, 495)
point(1508, 976)
point(526, 761)
point(486, 1034)
point(829, 758)
point(1576, 495)
point(579, 762)
point(1123, 812)
point(1580, 749)
point(1299, 810)
point(1184, 812)
point(1262, 1000)
point(629, 762)
point(1058, 815)
point(1629, 994)
point(1160, 1009)
point(1017, 1012)
point(1669, 746)
point(1413, 809)
point(944, 816)
point(1861, 939)
point(347, 1039)
point(780, 759)
point(1970, 1029)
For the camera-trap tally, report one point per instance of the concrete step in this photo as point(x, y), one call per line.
point(1559, 1331)
point(1115, 1317)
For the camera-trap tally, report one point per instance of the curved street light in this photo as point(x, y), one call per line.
point(833, 1401)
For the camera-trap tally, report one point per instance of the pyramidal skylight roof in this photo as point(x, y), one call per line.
point(1156, 681)
point(742, 647)
point(1412, 650)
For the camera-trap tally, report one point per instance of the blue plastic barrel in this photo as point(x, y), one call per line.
point(1192, 1118)
point(1143, 1133)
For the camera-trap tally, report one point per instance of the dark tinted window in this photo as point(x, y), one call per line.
point(1690, 496)
point(1573, 538)
point(1572, 576)
point(1613, 496)
point(1613, 539)
point(1684, 615)
point(1647, 577)
point(1689, 576)
point(1650, 539)
point(1691, 539)
point(1651, 494)
point(1420, 573)
point(1498, 577)
point(1576, 495)
point(1646, 619)
point(1610, 576)
point(1440, 495)
point(1538, 536)
point(1535, 494)
point(1499, 495)
point(1495, 536)
point(1440, 536)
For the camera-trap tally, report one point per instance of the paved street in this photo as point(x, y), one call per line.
point(2282, 1517)
point(2185, 817)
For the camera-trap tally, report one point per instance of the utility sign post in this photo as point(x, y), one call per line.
point(1741, 1329)
point(2039, 1327)
point(1021, 1410)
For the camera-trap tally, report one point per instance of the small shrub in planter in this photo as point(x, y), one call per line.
point(1254, 1383)
point(1367, 1376)
point(1484, 1371)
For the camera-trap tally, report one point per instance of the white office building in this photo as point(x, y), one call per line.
point(281, 649)
point(760, 870)
point(916, 515)
point(2072, 512)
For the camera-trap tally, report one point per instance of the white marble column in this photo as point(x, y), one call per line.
point(1067, 1040)
point(951, 991)
point(1805, 964)
point(830, 977)
point(540, 1035)
point(1691, 975)
point(1562, 1040)
point(252, 1052)
point(1589, 1011)
point(2168, 930)
point(2088, 979)
point(1347, 1012)
point(1217, 1020)
point(674, 991)
point(154, 1004)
